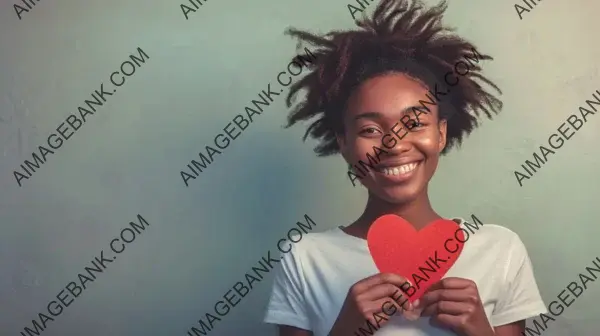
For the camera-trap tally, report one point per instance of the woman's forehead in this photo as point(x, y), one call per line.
point(391, 93)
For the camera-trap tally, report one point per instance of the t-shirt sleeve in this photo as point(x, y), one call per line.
point(287, 305)
point(520, 298)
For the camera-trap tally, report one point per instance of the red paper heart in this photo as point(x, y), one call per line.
point(397, 247)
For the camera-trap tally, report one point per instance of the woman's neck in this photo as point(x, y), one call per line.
point(417, 212)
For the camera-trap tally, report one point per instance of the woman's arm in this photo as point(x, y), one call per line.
point(520, 298)
point(293, 331)
point(511, 329)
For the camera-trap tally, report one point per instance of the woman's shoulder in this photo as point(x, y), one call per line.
point(311, 239)
point(322, 243)
point(474, 224)
point(489, 234)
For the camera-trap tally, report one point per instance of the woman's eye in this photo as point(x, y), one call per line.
point(415, 124)
point(369, 130)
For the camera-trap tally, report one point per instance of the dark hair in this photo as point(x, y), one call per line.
point(399, 37)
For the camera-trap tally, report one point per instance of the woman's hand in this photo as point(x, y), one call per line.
point(454, 303)
point(370, 303)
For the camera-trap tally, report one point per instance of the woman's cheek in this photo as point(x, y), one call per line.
point(363, 147)
point(427, 142)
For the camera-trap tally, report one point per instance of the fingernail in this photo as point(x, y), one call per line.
point(417, 303)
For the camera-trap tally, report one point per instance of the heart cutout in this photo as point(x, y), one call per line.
point(420, 256)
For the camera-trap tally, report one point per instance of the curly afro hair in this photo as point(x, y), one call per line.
point(401, 36)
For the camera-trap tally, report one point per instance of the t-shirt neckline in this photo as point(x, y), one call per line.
point(364, 241)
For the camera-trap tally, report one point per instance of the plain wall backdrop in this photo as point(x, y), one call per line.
point(125, 160)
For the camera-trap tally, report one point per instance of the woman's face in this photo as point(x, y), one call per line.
point(375, 109)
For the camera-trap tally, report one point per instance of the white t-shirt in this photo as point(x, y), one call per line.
point(313, 279)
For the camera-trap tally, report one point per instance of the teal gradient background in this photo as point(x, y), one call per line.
point(127, 157)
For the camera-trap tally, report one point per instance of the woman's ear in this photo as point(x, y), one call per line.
point(443, 128)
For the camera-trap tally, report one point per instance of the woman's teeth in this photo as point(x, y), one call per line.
point(400, 170)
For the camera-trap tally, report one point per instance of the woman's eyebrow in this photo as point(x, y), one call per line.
point(369, 115)
point(379, 115)
point(415, 108)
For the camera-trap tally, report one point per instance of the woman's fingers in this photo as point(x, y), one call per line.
point(388, 306)
point(458, 295)
point(446, 308)
point(415, 313)
point(386, 291)
point(382, 278)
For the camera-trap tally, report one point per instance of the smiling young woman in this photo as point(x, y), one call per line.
point(362, 83)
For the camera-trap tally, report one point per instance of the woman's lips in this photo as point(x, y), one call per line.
point(399, 173)
point(399, 170)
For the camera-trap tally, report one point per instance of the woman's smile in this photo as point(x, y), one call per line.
point(397, 172)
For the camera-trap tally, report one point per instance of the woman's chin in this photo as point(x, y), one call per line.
point(397, 195)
